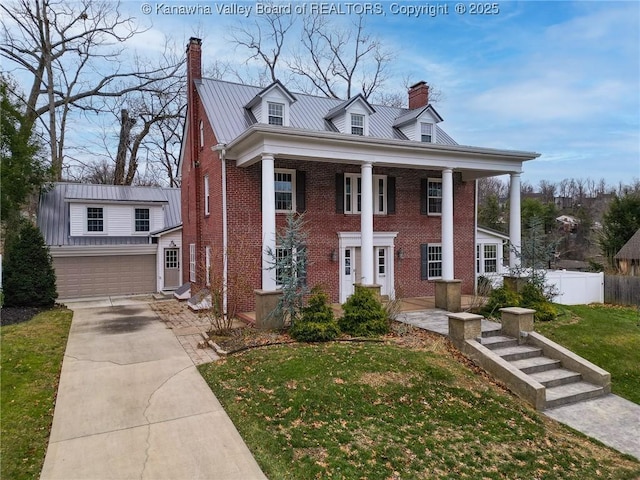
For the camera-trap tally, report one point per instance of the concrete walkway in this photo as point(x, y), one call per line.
point(131, 404)
point(612, 420)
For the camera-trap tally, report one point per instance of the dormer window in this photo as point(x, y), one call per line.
point(426, 132)
point(276, 113)
point(357, 124)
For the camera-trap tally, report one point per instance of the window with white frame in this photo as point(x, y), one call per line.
point(276, 113)
point(285, 190)
point(431, 261)
point(353, 193)
point(142, 220)
point(192, 262)
point(426, 132)
point(434, 196)
point(95, 219)
point(207, 264)
point(490, 258)
point(201, 126)
point(357, 124)
point(207, 207)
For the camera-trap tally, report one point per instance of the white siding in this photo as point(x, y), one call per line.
point(409, 130)
point(339, 122)
point(119, 220)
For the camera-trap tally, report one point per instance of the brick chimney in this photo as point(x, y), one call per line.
point(194, 59)
point(418, 95)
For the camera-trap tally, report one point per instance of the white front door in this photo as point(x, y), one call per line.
point(350, 263)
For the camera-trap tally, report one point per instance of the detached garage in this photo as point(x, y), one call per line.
point(105, 239)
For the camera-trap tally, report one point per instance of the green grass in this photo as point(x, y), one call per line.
point(394, 410)
point(606, 335)
point(31, 360)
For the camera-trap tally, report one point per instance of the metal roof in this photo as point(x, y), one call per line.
point(225, 103)
point(114, 193)
point(53, 210)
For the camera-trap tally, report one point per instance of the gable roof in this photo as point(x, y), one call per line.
point(631, 249)
point(337, 110)
point(224, 103)
point(412, 115)
point(53, 210)
point(275, 85)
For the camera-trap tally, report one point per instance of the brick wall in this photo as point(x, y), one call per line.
point(324, 224)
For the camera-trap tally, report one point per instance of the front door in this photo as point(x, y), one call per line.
point(171, 268)
point(350, 265)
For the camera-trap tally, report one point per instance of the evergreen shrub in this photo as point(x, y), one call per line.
point(317, 322)
point(28, 277)
point(364, 315)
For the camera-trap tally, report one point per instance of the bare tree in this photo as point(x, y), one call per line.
point(548, 190)
point(264, 39)
point(61, 44)
point(337, 62)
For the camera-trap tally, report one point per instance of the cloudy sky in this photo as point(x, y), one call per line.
point(560, 78)
point(556, 77)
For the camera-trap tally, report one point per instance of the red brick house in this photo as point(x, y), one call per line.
point(390, 198)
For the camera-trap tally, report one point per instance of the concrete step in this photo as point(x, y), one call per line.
point(556, 377)
point(571, 393)
point(536, 364)
point(499, 341)
point(518, 353)
point(490, 328)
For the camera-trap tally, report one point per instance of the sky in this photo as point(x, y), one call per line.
point(559, 78)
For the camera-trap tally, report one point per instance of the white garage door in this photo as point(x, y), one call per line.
point(101, 276)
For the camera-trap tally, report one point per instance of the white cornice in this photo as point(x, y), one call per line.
point(334, 147)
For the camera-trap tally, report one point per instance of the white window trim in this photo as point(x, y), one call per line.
point(201, 128)
point(207, 198)
point(293, 188)
point(104, 220)
point(483, 258)
point(141, 232)
point(352, 126)
point(192, 262)
point(351, 207)
point(269, 103)
point(429, 262)
point(207, 265)
point(433, 131)
point(433, 180)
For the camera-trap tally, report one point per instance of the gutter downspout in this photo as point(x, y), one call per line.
point(221, 148)
point(475, 240)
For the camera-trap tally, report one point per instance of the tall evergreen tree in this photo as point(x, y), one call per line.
point(22, 171)
point(28, 277)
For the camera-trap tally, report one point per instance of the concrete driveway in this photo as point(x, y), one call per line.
point(131, 404)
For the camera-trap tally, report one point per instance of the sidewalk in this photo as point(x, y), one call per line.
point(131, 404)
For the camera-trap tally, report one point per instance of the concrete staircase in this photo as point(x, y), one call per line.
point(537, 369)
point(562, 385)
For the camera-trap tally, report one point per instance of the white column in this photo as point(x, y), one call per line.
point(447, 225)
point(268, 222)
point(515, 228)
point(366, 225)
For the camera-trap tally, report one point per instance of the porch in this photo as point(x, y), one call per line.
point(405, 307)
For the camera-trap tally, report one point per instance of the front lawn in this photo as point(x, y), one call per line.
point(31, 360)
point(606, 335)
point(405, 408)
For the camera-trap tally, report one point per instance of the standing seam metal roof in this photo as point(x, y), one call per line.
point(225, 103)
point(53, 210)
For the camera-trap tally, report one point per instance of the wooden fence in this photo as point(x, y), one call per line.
point(622, 290)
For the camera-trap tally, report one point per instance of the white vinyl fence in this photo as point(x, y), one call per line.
point(577, 288)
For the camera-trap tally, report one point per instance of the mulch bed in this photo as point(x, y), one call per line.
point(13, 315)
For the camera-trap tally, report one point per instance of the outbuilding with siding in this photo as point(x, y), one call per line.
point(112, 239)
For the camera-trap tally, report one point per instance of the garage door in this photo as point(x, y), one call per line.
point(101, 276)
